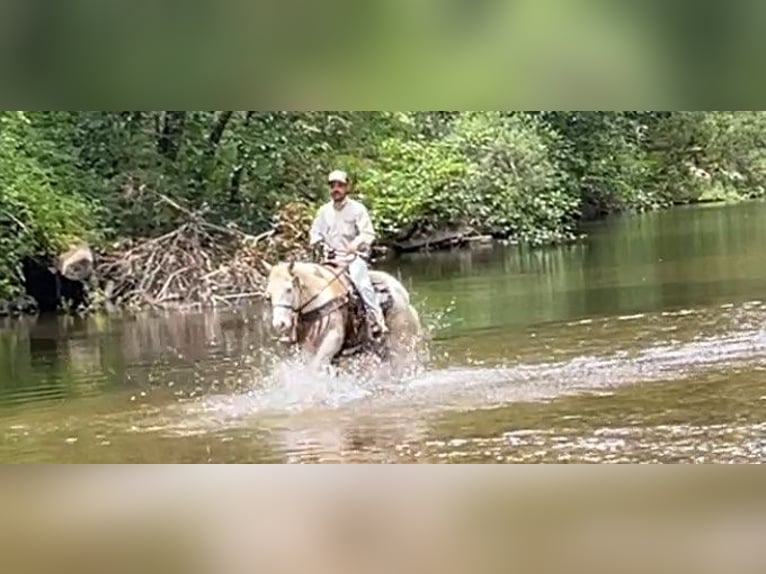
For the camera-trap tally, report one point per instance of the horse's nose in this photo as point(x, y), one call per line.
point(280, 324)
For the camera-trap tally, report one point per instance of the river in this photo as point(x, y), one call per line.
point(642, 343)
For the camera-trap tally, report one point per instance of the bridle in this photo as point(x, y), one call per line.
point(297, 310)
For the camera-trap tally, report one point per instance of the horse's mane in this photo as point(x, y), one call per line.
point(314, 274)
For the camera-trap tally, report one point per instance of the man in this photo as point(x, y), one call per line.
point(344, 227)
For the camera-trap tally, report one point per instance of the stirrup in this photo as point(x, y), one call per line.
point(377, 329)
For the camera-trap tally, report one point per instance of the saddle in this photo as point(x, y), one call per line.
point(358, 331)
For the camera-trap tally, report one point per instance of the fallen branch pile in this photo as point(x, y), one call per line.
point(200, 263)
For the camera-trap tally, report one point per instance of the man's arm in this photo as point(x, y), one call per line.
point(366, 231)
point(317, 232)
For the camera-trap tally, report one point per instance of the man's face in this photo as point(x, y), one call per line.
point(338, 190)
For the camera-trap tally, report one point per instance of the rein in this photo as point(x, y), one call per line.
point(299, 311)
point(336, 276)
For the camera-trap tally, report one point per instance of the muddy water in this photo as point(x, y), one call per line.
point(644, 343)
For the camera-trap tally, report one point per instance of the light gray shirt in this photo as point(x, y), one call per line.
point(343, 227)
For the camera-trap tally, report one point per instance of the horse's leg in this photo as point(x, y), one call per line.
point(328, 347)
point(404, 337)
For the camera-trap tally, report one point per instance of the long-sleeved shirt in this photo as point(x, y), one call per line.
point(340, 228)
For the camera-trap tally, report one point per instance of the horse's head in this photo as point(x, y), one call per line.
point(283, 292)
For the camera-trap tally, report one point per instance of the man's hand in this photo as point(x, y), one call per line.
point(357, 246)
point(316, 252)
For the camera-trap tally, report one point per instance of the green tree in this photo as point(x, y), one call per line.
point(37, 217)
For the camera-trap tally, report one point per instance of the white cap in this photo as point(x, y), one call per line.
point(338, 175)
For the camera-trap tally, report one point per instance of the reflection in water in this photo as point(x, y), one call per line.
point(643, 343)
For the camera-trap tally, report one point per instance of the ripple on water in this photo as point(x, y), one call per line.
point(290, 391)
point(304, 415)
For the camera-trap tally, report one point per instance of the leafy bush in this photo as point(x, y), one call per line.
point(415, 186)
point(517, 187)
point(605, 154)
point(718, 154)
point(36, 218)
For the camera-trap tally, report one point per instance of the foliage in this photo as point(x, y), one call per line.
point(36, 216)
point(699, 154)
point(531, 175)
point(488, 171)
point(517, 186)
point(605, 154)
point(414, 186)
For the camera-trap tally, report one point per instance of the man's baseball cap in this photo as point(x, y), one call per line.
point(338, 175)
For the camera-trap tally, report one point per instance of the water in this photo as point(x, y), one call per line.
point(643, 343)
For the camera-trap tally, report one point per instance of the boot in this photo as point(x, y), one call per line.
point(378, 326)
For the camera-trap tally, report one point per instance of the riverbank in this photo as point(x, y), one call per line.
point(126, 182)
point(203, 265)
point(198, 264)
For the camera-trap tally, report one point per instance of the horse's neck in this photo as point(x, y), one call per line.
point(316, 280)
point(312, 274)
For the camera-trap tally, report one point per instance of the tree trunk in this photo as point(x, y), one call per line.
point(208, 155)
point(242, 159)
point(217, 132)
point(169, 132)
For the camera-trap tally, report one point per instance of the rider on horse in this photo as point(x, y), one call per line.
point(344, 228)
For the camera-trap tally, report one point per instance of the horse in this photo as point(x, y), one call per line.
point(316, 307)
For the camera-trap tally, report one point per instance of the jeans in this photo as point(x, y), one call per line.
point(360, 277)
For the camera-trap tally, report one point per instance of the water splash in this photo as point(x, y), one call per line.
point(283, 387)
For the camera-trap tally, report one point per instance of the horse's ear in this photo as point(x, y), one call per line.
point(296, 278)
point(266, 266)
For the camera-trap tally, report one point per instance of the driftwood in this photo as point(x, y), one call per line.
point(200, 263)
point(441, 240)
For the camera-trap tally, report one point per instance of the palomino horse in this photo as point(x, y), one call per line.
point(316, 307)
